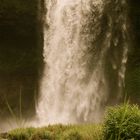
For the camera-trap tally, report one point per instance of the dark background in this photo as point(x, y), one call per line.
point(133, 65)
point(21, 60)
point(20, 55)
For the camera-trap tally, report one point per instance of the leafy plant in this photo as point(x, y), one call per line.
point(122, 123)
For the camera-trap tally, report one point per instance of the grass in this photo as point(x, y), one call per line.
point(57, 132)
point(17, 118)
point(121, 123)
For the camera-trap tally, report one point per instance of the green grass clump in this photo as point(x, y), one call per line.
point(87, 131)
point(72, 135)
point(122, 123)
point(42, 135)
point(21, 134)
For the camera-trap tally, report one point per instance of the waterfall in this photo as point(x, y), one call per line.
point(85, 48)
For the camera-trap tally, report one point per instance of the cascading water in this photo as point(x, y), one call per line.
point(79, 35)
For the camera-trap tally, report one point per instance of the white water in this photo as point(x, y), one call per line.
point(74, 87)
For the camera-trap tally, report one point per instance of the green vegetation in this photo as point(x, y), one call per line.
point(57, 132)
point(121, 123)
point(20, 134)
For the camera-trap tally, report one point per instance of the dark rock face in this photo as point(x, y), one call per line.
point(18, 35)
point(20, 54)
point(133, 67)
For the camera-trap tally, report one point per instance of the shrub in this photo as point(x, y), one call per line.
point(122, 123)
